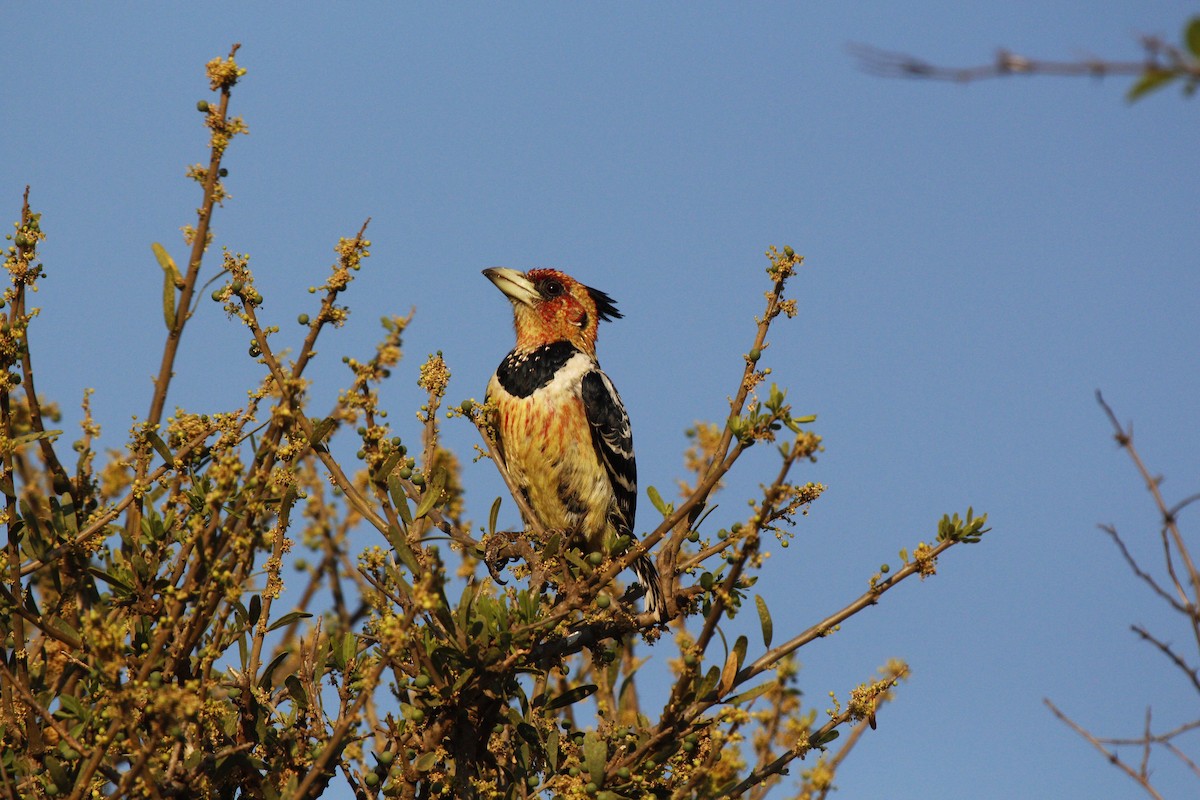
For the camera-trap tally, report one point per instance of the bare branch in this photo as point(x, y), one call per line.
point(1192, 673)
point(1139, 572)
point(1141, 778)
point(1159, 57)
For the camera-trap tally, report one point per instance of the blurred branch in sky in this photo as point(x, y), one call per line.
point(1161, 64)
point(1179, 588)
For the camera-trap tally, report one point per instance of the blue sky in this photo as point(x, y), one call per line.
point(981, 259)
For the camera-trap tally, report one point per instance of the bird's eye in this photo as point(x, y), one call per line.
point(551, 288)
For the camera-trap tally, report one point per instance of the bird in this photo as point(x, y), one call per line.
point(561, 428)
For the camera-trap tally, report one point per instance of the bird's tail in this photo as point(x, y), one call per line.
point(647, 575)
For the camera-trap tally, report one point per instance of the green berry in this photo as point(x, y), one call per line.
point(202, 106)
point(371, 779)
point(302, 319)
point(789, 252)
point(422, 681)
point(595, 559)
point(602, 601)
point(754, 355)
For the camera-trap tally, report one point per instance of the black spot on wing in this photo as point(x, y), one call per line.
point(613, 442)
point(522, 374)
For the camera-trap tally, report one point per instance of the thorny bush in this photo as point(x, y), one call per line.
point(145, 652)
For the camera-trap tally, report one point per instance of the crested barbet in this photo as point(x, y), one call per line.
point(562, 430)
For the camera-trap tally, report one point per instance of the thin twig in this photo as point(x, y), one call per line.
point(1114, 759)
point(1159, 57)
point(1192, 673)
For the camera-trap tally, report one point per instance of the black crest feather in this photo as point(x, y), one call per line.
point(606, 307)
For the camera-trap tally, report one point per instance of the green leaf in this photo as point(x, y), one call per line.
point(403, 551)
point(426, 762)
point(1191, 37)
point(461, 680)
point(595, 754)
point(296, 689)
point(321, 429)
point(739, 650)
point(388, 465)
point(708, 682)
point(265, 681)
point(58, 773)
point(171, 281)
point(493, 515)
point(433, 493)
point(528, 733)
point(161, 447)
point(750, 694)
point(18, 441)
point(71, 707)
point(764, 617)
point(166, 262)
point(573, 695)
point(552, 749)
point(288, 619)
point(826, 738)
point(396, 491)
point(664, 508)
point(343, 651)
point(255, 609)
point(1152, 80)
point(121, 586)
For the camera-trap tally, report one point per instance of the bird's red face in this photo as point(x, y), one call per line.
point(550, 306)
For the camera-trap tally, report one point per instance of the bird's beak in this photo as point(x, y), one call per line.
point(514, 284)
